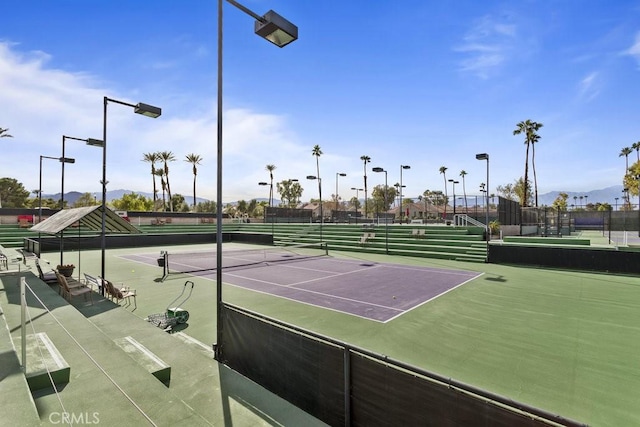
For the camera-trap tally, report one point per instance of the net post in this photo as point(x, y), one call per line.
point(165, 265)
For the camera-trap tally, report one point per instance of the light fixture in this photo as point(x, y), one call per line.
point(274, 28)
point(147, 110)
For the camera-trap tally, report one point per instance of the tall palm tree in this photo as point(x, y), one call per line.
point(152, 158)
point(4, 134)
point(534, 139)
point(195, 160)
point(167, 156)
point(365, 159)
point(160, 173)
point(528, 128)
point(464, 191)
point(636, 146)
point(317, 152)
point(443, 171)
point(270, 168)
point(625, 152)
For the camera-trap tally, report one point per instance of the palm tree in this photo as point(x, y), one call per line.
point(195, 160)
point(636, 146)
point(625, 152)
point(167, 156)
point(152, 158)
point(4, 134)
point(366, 159)
point(528, 128)
point(270, 168)
point(160, 173)
point(443, 171)
point(318, 152)
point(534, 139)
point(464, 191)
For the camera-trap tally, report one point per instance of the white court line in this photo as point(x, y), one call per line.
point(313, 292)
point(434, 297)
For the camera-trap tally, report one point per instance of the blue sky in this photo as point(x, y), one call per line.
point(412, 82)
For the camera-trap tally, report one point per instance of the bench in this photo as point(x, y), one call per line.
point(44, 359)
point(9, 256)
point(365, 238)
point(418, 233)
point(92, 281)
point(145, 358)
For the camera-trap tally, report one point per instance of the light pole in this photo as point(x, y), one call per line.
point(266, 183)
point(357, 200)
point(140, 108)
point(386, 220)
point(338, 174)
point(485, 156)
point(401, 168)
point(277, 30)
point(637, 178)
point(454, 182)
point(88, 141)
point(312, 177)
point(62, 160)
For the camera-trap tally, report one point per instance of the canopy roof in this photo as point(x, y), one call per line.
point(90, 216)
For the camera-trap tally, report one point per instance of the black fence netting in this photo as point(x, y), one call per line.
point(304, 371)
point(509, 212)
point(342, 385)
point(287, 215)
point(385, 395)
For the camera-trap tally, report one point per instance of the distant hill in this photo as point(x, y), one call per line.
point(605, 195)
point(72, 196)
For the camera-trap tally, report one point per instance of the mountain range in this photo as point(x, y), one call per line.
point(604, 195)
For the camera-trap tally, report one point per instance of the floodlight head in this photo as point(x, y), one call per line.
point(275, 29)
point(148, 110)
point(263, 183)
point(378, 169)
point(342, 174)
point(67, 160)
point(482, 156)
point(311, 177)
point(95, 142)
point(405, 166)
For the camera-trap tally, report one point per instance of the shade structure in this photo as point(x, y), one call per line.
point(91, 217)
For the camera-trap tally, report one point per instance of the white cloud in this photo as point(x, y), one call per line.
point(589, 86)
point(487, 46)
point(634, 50)
point(39, 104)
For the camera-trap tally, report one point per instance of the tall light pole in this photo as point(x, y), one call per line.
point(62, 160)
point(140, 108)
point(401, 186)
point(312, 177)
point(386, 220)
point(88, 141)
point(454, 182)
point(357, 200)
point(277, 30)
point(485, 156)
point(338, 198)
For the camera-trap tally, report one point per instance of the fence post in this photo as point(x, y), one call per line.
point(23, 329)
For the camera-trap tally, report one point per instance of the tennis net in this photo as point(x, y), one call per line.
point(191, 262)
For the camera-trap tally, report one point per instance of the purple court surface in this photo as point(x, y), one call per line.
point(371, 290)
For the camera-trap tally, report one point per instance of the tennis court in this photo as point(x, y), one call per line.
point(371, 290)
